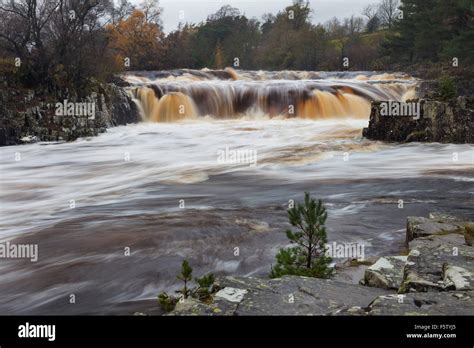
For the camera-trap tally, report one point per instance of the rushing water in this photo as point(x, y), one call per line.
point(185, 94)
point(129, 186)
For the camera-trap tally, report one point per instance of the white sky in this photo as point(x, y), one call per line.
point(196, 11)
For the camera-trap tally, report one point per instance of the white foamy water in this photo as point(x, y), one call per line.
point(95, 171)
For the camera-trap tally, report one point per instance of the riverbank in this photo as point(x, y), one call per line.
point(436, 277)
point(31, 115)
point(437, 121)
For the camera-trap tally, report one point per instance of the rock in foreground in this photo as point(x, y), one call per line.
point(436, 278)
point(439, 263)
point(288, 295)
point(386, 273)
point(432, 303)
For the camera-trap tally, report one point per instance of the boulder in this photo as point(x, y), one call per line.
point(386, 273)
point(439, 263)
point(436, 224)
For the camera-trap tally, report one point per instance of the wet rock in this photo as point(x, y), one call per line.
point(232, 294)
point(428, 303)
point(356, 310)
point(445, 122)
point(289, 295)
point(386, 273)
point(442, 216)
point(193, 306)
point(30, 115)
point(439, 263)
point(458, 277)
point(436, 224)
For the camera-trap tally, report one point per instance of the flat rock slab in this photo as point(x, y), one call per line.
point(192, 307)
point(439, 263)
point(428, 303)
point(291, 295)
point(386, 273)
point(435, 225)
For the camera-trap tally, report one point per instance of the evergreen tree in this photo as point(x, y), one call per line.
point(432, 30)
point(186, 276)
point(308, 256)
point(202, 291)
point(204, 287)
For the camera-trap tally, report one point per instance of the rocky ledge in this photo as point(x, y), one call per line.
point(29, 115)
point(444, 122)
point(436, 277)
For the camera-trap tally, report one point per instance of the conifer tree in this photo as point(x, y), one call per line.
point(186, 276)
point(308, 256)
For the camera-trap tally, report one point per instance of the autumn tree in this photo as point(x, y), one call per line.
point(60, 43)
point(137, 41)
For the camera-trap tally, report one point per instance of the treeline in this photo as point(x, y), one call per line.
point(68, 44)
point(64, 43)
point(432, 31)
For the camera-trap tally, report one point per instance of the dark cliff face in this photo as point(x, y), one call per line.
point(444, 122)
point(30, 115)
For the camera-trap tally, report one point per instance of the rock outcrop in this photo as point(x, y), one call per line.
point(386, 273)
point(435, 278)
point(439, 263)
point(30, 115)
point(445, 122)
point(435, 224)
point(430, 303)
point(289, 295)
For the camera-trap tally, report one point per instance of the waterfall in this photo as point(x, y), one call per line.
point(174, 95)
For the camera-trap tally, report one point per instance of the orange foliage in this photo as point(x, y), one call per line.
point(138, 40)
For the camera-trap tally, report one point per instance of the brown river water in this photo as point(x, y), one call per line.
point(161, 190)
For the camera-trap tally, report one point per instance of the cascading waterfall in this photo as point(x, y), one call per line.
point(179, 94)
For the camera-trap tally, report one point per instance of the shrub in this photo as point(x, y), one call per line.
point(201, 291)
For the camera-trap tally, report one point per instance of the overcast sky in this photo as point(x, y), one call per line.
point(198, 10)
